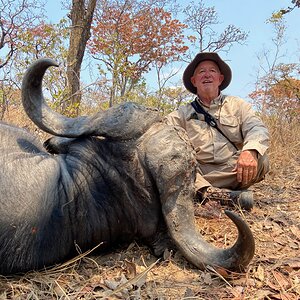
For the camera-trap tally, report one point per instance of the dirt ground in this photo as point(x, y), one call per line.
point(134, 273)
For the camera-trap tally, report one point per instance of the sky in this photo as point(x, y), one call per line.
point(250, 16)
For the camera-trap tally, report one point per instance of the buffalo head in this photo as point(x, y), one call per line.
point(119, 175)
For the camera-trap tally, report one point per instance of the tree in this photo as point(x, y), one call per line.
point(81, 16)
point(277, 86)
point(201, 20)
point(42, 40)
point(296, 3)
point(280, 93)
point(268, 61)
point(45, 40)
point(15, 16)
point(170, 98)
point(162, 80)
point(129, 36)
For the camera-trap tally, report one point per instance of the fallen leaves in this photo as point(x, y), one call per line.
point(134, 273)
point(277, 281)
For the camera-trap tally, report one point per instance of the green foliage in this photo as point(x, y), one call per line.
point(42, 40)
point(129, 38)
point(15, 17)
point(276, 17)
point(282, 12)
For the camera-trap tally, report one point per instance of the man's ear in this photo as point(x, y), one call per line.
point(221, 78)
point(193, 80)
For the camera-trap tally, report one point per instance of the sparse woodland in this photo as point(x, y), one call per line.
point(133, 272)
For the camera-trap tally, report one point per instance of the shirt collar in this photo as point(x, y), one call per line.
point(216, 102)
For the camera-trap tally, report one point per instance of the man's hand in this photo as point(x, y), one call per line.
point(246, 167)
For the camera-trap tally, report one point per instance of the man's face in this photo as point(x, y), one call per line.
point(207, 78)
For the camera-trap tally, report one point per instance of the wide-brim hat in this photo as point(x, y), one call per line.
point(190, 69)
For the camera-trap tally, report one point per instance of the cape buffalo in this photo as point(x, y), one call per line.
point(116, 176)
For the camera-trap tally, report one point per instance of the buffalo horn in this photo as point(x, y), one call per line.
point(119, 122)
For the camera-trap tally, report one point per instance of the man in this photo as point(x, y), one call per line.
point(232, 156)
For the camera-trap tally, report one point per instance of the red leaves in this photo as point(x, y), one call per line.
point(134, 38)
point(282, 96)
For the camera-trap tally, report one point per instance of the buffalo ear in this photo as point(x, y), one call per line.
point(58, 145)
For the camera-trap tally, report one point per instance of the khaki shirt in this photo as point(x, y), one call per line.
point(234, 117)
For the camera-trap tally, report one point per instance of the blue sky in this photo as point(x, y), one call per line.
point(250, 16)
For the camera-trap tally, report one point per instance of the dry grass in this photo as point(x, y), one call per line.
point(134, 273)
point(285, 143)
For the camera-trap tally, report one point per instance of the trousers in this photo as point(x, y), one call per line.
point(222, 176)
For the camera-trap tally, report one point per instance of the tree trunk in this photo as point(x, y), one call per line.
point(81, 18)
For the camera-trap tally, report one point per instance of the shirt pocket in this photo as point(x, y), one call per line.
point(231, 127)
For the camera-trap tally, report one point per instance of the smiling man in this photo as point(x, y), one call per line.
point(229, 139)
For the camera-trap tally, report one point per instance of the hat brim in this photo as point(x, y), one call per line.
point(190, 69)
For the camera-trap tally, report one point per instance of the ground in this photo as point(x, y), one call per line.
point(134, 273)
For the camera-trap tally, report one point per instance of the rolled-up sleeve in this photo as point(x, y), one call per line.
point(255, 133)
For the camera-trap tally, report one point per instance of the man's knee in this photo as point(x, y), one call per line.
point(262, 169)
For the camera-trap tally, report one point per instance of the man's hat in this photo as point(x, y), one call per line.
point(189, 71)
